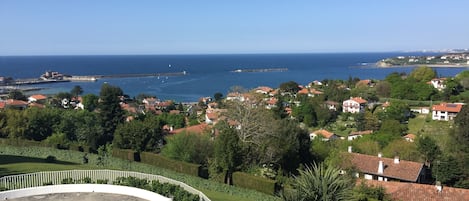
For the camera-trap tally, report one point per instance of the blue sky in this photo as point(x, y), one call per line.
point(53, 27)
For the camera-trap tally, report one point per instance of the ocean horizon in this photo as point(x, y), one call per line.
point(206, 73)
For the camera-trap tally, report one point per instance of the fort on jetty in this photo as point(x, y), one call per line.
point(55, 77)
point(259, 70)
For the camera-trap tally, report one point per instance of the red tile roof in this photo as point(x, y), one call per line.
point(363, 83)
point(199, 128)
point(447, 107)
point(410, 136)
point(303, 91)
point(358, 100)
point(404, 170)
point(272, 101)
point(317, 92)
point(324, 133)
point(264, 89)
point(417, 192)
point(2, 105)
point(16, 102)
point(212, 115)
point(38, 97)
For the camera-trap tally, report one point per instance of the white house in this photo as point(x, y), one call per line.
point(354, 105)
point(445, 111)
point(438, 83)
point(358, 134)
point(420, 110)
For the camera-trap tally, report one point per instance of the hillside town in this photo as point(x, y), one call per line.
point(370, 129)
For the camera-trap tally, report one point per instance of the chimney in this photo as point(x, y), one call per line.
point(349, 149)
point(380, 167)
point(396, 159)
point(438, 187)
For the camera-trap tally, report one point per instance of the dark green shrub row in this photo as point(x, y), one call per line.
point(31, 143)
point(22, 143)
point(178, 166)
point(260, 184)
point(165, 189)
point(125, 154)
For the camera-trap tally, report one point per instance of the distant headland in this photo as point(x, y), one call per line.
point(458, 60)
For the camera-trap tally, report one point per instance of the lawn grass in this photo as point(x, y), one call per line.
point(17, 160)
point(438, 130)
point(219, 196)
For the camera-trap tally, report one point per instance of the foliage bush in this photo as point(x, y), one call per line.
point(189, 147)
point(260, 184)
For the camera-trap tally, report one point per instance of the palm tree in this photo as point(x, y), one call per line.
point(320, 183)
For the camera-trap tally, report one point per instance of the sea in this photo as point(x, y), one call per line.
point(205, 74)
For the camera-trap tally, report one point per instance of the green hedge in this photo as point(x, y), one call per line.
point(125, 154)
point(260, 184)
point(163, 162)
point(22, 143)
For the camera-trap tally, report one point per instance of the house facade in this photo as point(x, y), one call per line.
point(354, 105)
point(445, 111)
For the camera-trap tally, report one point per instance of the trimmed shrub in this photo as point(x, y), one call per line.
point(125, 154)
point(260, 184)
point(178, 166)
point(50, 159)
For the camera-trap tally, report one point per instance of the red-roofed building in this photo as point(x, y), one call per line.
point(303, 91)
point(418, 192)
point(364, 83)
point(410, 137)
point(18, 104)
point(128, 108)
point(311, 92)
point(198, 129)
point(445, 111)
point(354, 105)
point(386, 169)
point(323, 134)
point(332, 105)
point(37, 98)
point(2, 105)
point(211, 117)
point(271, 103)
point(263, 90)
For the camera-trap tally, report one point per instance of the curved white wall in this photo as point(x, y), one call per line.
point(83, 188)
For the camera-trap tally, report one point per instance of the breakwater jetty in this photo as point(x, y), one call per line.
point(55, 77)
point(259, 70)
